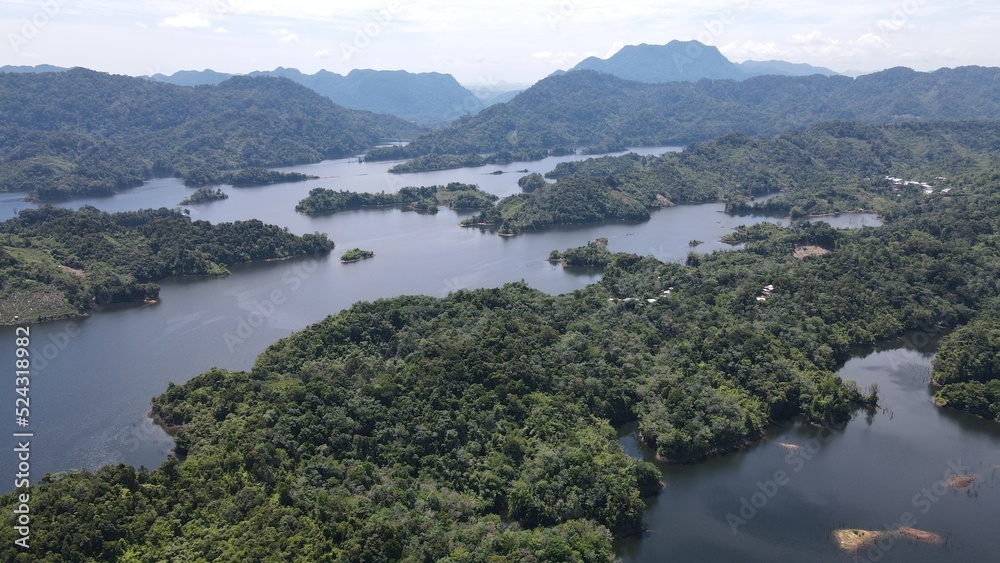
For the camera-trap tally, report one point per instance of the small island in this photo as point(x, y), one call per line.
point(854, 540)
point(424, 199)
point(249, 177)
point(355, 255)
point(204, 195)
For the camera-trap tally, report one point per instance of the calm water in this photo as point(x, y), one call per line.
point(866, 475)
point(94, 377)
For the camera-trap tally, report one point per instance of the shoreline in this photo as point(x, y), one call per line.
point(170, 429)
point(146, 300)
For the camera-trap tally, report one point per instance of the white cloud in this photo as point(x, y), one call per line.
point(558, 58)
point(814, 37)
point(894, 24)
point(284, 36)
point(321, 54)
point(221, 29)
point(189, 20)
point(751, 50)
point(873, 40)
point(141, 25)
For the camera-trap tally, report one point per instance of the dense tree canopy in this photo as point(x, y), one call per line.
point(454, 195)
point(587, 108)
point(480, 424)
point(58, 262)
point(80, 132)
point(968, 366)
point(830, 168)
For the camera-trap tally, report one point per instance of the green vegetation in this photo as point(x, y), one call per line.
point(595, 253)
point(455, 195)
point(480, 425)
point(604, 147)
point(356, 254)
point(756, 232)
point(587, 108)
point(968, 367)
point(830, 168)
point(56, 263)
point(204, 195)
point(531, 182)
point(244, 178)
point(84, 133)
point(432, 162)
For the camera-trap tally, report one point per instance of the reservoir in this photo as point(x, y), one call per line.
point(94, 377)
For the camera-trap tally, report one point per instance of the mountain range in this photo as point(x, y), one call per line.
point(585, 108)
point(433, 99)
point(428, 98)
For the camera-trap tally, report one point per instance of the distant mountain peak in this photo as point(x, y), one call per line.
point(427, 98)
point(688, 61)
point(677, 61)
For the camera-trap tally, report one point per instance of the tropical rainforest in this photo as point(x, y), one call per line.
point(968, 369)
point(454, 195)
point(80, 132)
point(480, 426)
point(585, 108)
point(56, 262)
point(829, 168)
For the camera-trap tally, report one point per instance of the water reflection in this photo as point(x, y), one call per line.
point(866, 475)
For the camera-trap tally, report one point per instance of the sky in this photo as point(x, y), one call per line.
point(484, 44)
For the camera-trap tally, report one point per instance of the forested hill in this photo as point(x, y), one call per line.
point(688, 61)
point(428, 98)
point(829, 168)
point(477, 427)
point(583, 108)
point(57, 263)
point(82, 132)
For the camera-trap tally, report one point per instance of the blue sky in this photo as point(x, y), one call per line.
point(483, 43)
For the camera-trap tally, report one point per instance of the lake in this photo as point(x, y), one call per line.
point(94, 377)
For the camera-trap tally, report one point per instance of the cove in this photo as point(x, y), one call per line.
point(881, 465)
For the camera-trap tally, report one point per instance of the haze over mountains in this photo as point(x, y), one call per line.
point(427, 98)
point(433, 99)
point(676, 93)
point(587, 108)
point(82, 132)
point(688, 61)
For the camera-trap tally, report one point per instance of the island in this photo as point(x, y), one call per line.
point(57, 263)
point(433, 162)
point(425, 199)
point(242, 178)
point(356, 255)
point(204, 195)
